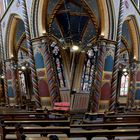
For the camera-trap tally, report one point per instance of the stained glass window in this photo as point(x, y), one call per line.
point(22, 56)
point(124, 85)
point(22, 83)
point(59, 64)
point(88, 70)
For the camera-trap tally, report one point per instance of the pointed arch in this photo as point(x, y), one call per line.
point(39, 14)
point(134, 34)
point(11, 34)
point(111, 24)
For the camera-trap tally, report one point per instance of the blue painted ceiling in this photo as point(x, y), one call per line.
point(72, 21)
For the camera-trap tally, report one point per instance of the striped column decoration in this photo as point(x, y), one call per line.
point(131, 96)
point(90, 105)
point(31, 55)
point(116, 59)
point(98, 77)
point(16, 86)
point(4, 69)
point(51, 76)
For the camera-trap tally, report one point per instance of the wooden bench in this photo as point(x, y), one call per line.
point(14, 115)
point(38, 122)
point(122, 118)
point(108, 126)
point(46, 138)
point(76, 117)
point(32, 115)
point(43, 131)
point(110, 134)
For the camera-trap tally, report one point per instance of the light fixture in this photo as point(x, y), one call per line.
point(75, 48)
point(134, 57)
point(23, 67)
point(124, 70)
point(102, 34)
point(20, 71)
point(2, 76)
point(12, 56)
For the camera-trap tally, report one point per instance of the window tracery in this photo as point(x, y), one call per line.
point(59, 64)
point(88, 70)
point(124, 85)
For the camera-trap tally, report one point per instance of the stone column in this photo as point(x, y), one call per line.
point(50, 72)
point(97, 83)
point(116, 58)
point(16, 86)
point(4, 68)
point(31, 55)
point(107, 75)
point(131, 94)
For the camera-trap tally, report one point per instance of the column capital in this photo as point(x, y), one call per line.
point(40, 39)
point(106, 41)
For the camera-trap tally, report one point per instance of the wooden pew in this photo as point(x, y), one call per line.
point(122, 118)
point(110, 134)
point(76, 117)
point(43, 131)
point(32, 116)
point(38, 122)
point(108, 126)
point(46, 138)
point(93, 118)
point(15, 115)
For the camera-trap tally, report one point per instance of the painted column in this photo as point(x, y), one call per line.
point(31, 55)
point(16, 86)
point(137, 87)
point(116, 59)
point(51, 74)
point(107, 75)
point(98, 76)
point(131, 94)
point(90, 105)
point(4, 68)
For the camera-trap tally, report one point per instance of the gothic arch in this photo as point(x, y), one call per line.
point(39, 14)
point(134, 34)
point(9, 41)
point(111, 20)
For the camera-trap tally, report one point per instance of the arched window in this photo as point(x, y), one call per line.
point(59, 64)
point(88, 70)
point(124, 74)
point(124, 85)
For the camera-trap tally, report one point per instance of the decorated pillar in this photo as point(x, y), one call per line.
point(31, 55)
point(107, 75)
point(50, 72)
point(116, 58)
point(16, 86)
point(4, 68)
point(131, 94)
point(137, 87)
point(98, 76)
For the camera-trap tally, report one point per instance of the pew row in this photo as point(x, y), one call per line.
point(110, 134)
point(122, 118)
point(43, 131)
point(108, 126)
point(32, 115)
point(37, 122)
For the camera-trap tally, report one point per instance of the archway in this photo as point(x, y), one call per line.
point(50, 16)
point(18, 60)
point(128, 60)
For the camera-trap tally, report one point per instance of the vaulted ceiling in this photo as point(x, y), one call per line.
point(73, 21)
